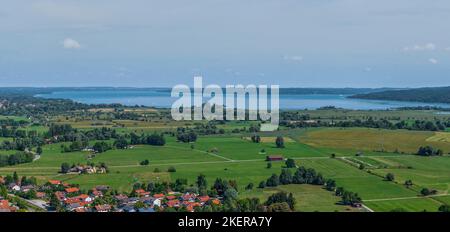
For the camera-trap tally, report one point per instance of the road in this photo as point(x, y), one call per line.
point(37, 203)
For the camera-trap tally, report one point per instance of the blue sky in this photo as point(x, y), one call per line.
point(314, 43)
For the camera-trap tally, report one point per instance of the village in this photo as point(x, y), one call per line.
point(58, 196)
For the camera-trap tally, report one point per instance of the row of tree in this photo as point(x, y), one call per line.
point(17, 158)
point(430, 151)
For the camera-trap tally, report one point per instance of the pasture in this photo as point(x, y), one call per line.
point(236, 157)
point(365, 139)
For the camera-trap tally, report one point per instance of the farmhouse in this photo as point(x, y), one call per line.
point(4, 206)
point(14, 187)
point(40, 195)
point(81, 169)
point(72, 190)
point(274, 158)
point(97, 193)
point(142, 193)
point(146, 210)
point(102, 187)
point(158, 196)
point(27, 188)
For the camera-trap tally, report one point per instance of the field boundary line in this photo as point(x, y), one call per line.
point(367, 208)
point(205, 152)
point(405, 198)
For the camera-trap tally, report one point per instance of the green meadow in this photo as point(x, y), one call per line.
point(237, 158)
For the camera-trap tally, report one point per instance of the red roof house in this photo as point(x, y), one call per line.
point(141, 192)
point(203, 198)
point(54, 182)
point(160, 195)
point(103, 208)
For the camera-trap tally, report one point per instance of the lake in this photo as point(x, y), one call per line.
point(155, 98)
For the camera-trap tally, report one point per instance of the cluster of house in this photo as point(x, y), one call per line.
point(5, 206)
point(86, 169)
point(17, 187)
point(170, 200)
point(72, 201)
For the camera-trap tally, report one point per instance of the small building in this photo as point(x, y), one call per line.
point(122, 198)
point(146, 210)
point(170, 197)
point(203, 199)
point(5, 207)
point(40, 195)
point(14, 187)
point(274, 158)
point(128, 209)
point(357, 205)
point(27, 188)
point(60, 195)
point(148, 200)
point(96, 193)
point(159, 195)
point(102, 188)
point(142, 193)
point(103, 208)
point(75, 206)
point(72, 190)
point(54, 182)
point(157, 202)
point(173, 203)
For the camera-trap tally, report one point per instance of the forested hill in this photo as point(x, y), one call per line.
point(432, 94)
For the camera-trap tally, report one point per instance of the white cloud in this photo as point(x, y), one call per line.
point(433, 60)
point(368, 69)
point(69, 43)
point(417, 47)
point(295, 58)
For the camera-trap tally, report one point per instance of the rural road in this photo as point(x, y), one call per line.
point(38, 203)
point(406, 198)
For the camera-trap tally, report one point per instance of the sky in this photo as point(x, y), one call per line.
point(291, 43)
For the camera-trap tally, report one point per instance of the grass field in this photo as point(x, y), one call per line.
point(407, 205)
point(429, 172)
point(310, 198)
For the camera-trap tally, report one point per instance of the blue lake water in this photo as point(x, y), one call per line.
point(287, 101)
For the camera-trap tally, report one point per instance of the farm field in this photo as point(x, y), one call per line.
point(236, 157)
point(375, 139)
point(311, 198)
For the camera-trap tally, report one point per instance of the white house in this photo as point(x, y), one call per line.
point(157, 202)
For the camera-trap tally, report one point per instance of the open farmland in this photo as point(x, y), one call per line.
point(336, 153)
point(375, 139)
